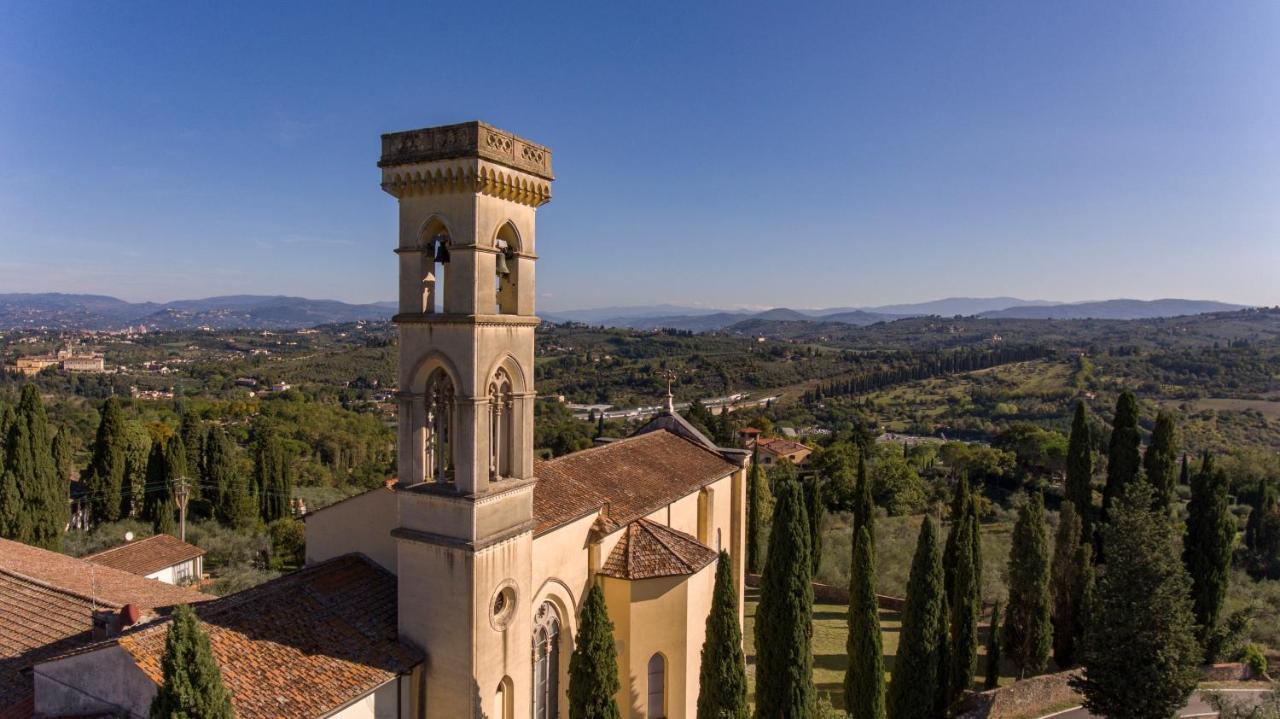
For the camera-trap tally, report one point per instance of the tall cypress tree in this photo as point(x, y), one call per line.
point(1067, 585)
point(1140, 655)
point(193, 433)
point(722, 680)
point(1124, 453)
point(105, 480)
point(1206, 551)
point(593, 668)
point(1028, 630)
point(960, 499)
point(992, 678)
point(814, 512)
point(784, 616)
point(192, 686)
point(864, 677)
point(964, 606)
point(1161, 458)
point(1079, 485)
point(44, 498)
point(913, 691)
point(755, 516)
point(864, 508)
point(63, 457)
point(274, 477)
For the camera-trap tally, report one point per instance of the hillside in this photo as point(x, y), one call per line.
point(97, 312)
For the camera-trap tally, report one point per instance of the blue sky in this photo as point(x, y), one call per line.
point(723, 154)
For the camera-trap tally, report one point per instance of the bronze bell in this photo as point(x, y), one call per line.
point(501, 262)
point(442, 249)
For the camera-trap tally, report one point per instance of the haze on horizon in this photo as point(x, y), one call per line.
point(754, 157)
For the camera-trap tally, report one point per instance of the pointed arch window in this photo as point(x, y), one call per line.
point(440, 423)
point(546, 662)
point(501, 425)
point(434, 243)
point(507, 269)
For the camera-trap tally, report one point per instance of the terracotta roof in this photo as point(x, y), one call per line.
point(633, 477)
point(782, 446)
point(301, 645)
point(647, 550)
point(46, 608)
point(146, 556)
point(105, 584)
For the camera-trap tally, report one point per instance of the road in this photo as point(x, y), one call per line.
point(1195, 708)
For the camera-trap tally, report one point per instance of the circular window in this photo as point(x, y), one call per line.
point(503, 606)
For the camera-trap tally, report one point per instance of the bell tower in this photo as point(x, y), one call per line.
point(468, 197)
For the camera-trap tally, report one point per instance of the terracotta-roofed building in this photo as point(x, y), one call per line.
point(320, 642)
point(648, 550)
point(773, 451)
point(163, 557)
point(52, 603)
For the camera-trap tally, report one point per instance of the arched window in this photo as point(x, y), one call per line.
point(439, 422)
point(546, 662)
point(657, 687)
point(435, 243)
point(501, 424)
point(507, 243)
point(502, 700)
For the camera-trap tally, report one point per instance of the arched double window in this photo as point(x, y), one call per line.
point(440, 406)
point(501, 424)
point(546, 662)
point(657, 687)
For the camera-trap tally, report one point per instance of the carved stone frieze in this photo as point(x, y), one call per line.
point(469, 139)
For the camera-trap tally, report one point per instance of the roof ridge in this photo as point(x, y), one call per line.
point(126, 545)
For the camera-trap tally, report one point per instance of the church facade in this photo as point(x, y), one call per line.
point(493, 550)
point(453, 591)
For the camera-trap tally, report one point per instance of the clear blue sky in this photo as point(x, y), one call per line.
point(725, 154)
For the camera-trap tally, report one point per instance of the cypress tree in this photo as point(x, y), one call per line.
point(864, 512)
point(755, 516)
point(1206, 552)
point(960, 500)
point(1123, 456)
point(992, 678)
point(1262, 533)
point(63, 458)
point(964, 607)
point(192, 686)
point(106, 475)
point(914, 688)
point(1140, 652)
point(1161, 459)
point(814, 511)
point(942, 692)
point(784, 616)
point(722, 681)
point(137, 451)
point(1067, 585)
point(1028, 630)
point(43, 497)
point(193, 433)
point(274, 478)
point(1079, 485)
point(593, 668)
point(864, 677)
point(1184, 477)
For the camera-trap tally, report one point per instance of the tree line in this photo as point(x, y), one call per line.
point(922, 366)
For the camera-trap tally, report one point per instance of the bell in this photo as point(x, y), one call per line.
point(442, 249)
point(501, 264)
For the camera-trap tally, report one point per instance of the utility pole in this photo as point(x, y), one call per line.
point(181, 493)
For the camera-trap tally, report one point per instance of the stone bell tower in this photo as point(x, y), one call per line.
point(468, 197)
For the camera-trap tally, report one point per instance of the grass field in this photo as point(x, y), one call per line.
point(830, 634)
point(1268, 408)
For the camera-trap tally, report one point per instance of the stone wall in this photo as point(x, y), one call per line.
point(1025, 699)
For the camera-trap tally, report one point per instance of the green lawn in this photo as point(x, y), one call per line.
point(830, 633)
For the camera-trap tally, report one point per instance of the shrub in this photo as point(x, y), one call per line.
point(1255, 660)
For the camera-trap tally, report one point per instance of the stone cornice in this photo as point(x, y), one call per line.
point(468, 139)
point(439, 318)
point(484, 179)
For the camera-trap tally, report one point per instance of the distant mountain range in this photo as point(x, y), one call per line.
point(99, 312)
point(705, 320)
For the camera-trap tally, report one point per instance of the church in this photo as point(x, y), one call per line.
point(454, 591)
